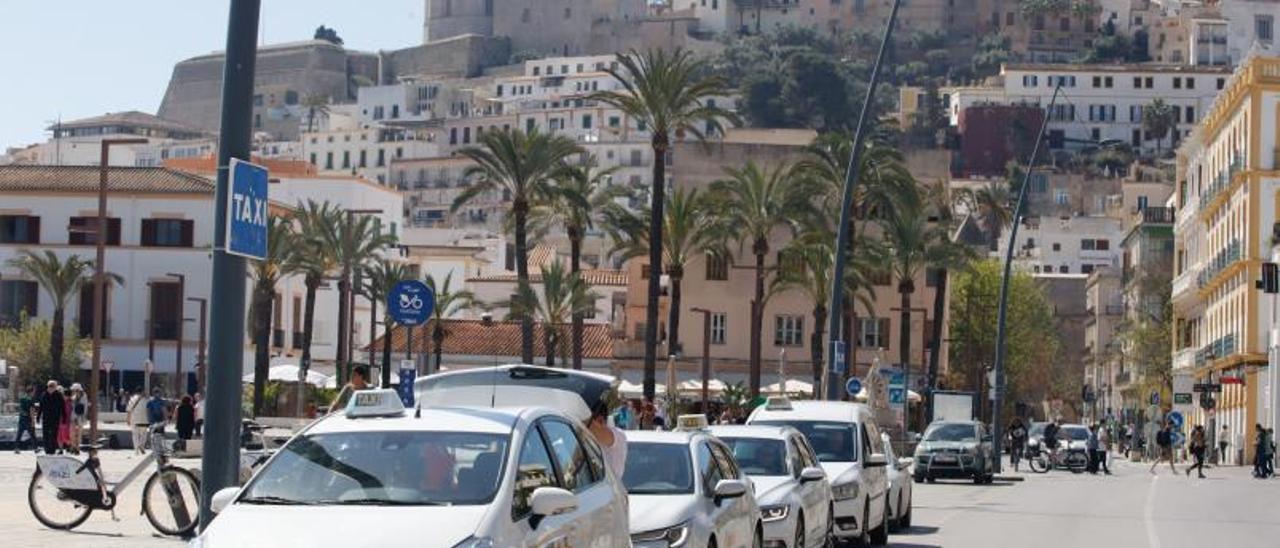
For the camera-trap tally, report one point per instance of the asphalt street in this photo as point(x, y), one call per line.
point(1130, 509)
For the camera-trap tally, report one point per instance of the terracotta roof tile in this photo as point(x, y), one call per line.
point(471, 337)
point(26, 178)
point(594, 277)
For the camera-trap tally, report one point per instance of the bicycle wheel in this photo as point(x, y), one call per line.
point(53, 508)
point(1039, 463)
point(171, 500)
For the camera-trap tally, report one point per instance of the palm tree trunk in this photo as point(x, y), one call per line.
point(521, 210)
point(935, 353)
point(757, 321)
point(673, 315)
point(575, 267)
point(386, 345)
point(656, 201)
point(905, 287)
point(262, 343)
point(308, 321)
point(437, 341)
point(815, 345)
point(344, 290)
point(550, 344)
point(56, 336)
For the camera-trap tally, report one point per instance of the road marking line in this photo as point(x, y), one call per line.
point(1153, 540)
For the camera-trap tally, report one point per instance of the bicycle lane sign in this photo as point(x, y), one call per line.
point(410, 302)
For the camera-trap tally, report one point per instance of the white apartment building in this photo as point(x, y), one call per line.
point(1066, 245)
point(79, 142)
point(1101, 102)
point(365, 152)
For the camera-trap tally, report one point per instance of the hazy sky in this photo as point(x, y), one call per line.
point(82, 58)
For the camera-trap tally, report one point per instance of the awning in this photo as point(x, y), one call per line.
point(792, 386)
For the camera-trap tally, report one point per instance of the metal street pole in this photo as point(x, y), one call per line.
point(997, 402)
point(179, 384)
point(846, 209)
point(706, 354)
point(200, 363)
point(220, 461)
point(99, 278)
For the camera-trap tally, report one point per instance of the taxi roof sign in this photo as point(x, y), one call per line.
point(381, 402)
point(685, 423)
point(778, 403)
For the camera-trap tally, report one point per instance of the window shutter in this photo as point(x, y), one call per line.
point(113, 231)
point(857, 334)
point(884, 332)
point(188, 233)
point(33, 230)
point(148, 232)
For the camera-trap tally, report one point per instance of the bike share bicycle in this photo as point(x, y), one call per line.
point(64, 490)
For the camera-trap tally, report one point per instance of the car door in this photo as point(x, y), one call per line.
point(590, 524)
point(810, 493)
point(877, 476)
point(719, 515)
point(891, 473)
point(535, 468)
point(741, 511)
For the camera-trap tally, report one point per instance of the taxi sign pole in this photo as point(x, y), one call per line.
point(220, 461)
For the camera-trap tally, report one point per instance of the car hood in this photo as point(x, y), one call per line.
point(930, 446)
point(651, 512)
point(285, 526)
point(770, 489)
point(1077, 445)
point(841, 472)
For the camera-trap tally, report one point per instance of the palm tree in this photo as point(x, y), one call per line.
point(520, 166)
point(914, 245)
point(316, 105)
point(447, 304)
point(355, 239)
point(755, 202)
point(60, 280)
point(1158, 119)
point(690, 230)
point(579, 196)
point(563, 295)
point(377, 280)
point(316, 260)
point(281, 261)
point(669, 93)
point(991, 205)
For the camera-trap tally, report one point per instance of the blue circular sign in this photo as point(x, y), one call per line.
point(853, 386)
point(410, 302)
point(1177, 420)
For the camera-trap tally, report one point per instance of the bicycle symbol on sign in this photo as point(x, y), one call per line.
point(411, 301)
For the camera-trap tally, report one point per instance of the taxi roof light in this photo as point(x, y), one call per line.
point(778, 403)
point(686, 423)
point(382, 402)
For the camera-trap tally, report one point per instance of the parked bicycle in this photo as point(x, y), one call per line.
point(64, 490)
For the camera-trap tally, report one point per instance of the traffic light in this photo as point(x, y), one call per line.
point(1270, 282)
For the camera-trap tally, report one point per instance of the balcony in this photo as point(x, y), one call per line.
point(1157, 215)
point(1225, 258)
point(1221, 183)
point(1218, 349)
point(1184, 359)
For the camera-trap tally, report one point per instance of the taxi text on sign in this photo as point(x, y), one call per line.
point(247, 210)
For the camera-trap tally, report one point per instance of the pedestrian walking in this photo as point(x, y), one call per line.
point(1017, 442)
point(50, 416)
point(1261, 453)
point(135, 413)
point(26, 420)
point(1271, 452)
point(64, 426)
point(199, 405)
point(612, 440)
point(185, 418)
point(1164, 447)
point(1104, 449)
point(157, 411)
point(1198, 447)
point(1091, 446)
point(79, 415)
point(1222, 445)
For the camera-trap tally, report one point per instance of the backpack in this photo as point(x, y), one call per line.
point(78, 408)
point(1162, 439)
point(155, 411)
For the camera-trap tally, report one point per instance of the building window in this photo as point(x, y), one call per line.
point(166, 310)
point(718, 322)
point(167, 233)
point(364, 158)
point(615, 121)
point(1190, 115)
point(586, 121)
point(85, 320)
point(790, 263)
point(873, 332)
point(1086, 269)
point(1057, 246)
point(717, 267)
point(1064, 269)
point(1142, 203)
point(1191, 82)
point(1264, 27)
point(1177, 83)
point(382, 157)
point(328, 160)
point(346, 159)
point(18, 298)
point(83, 231)
point(1222, 82)
point(788, 330)
point(19, 229)
point(1061, 197)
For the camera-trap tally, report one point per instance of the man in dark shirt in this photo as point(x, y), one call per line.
point(26, 419)
point(50, 416)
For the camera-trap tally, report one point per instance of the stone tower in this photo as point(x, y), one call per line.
point(449, 18)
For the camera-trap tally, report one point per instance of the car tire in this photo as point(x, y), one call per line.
point(930, 479)
point(758, 540)
point(917, 478)
point(880, 535)
point(904, 523)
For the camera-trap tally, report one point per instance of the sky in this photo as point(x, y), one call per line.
point(81, 58)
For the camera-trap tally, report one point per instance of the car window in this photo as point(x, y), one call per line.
point(795, 458)
point(951, 432)
point(575, 472)
point(759, 456)
point(810, 459)
point(595, 455)
point(724, 458)
point(535, 470)
point(831, 441)
point(866, 442)
point(658, 469)
point(708, 470)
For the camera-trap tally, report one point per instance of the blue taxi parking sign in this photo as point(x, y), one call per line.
point(247, 210)
point(410, 302)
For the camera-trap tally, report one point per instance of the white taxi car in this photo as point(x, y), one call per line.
point(688, 491)
point(791, 487)
point(847, 443)
point(899, 472)
point(460, 477)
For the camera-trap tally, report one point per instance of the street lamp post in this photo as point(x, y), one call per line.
point(200, 364)
point(179, 386)
point(706, 354)
point(99, 277)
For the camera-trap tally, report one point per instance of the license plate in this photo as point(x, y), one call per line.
point(944, 458)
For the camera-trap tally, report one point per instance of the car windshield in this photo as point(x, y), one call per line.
point(383, 468)
point(832, 441)
point(1075, 433)
point(759, 457)
point(951, 432)
point(658, 469)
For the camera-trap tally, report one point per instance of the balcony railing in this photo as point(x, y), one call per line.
point(1221, 348)
point(1158, 215)
point(1220, 262)
point(1185, 282)
point(1222, 181)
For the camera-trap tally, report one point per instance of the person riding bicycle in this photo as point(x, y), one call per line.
point(1051, 436)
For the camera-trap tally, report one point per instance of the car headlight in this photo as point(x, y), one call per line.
point(845, 491)
point(674, 536)
point(475, 542)
point(775, 512)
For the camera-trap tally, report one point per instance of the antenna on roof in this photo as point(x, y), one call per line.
point(417, 413)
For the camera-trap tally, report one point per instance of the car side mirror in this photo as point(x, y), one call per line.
point(875, 460)
point(812, 473)
point(223, 498)
point(550, 501)
point(729, 489)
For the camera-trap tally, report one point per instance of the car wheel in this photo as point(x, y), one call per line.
point(904, 522)
point(758, 541)
point(918, 478)
point(880, 535)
